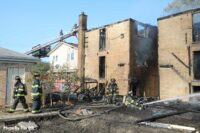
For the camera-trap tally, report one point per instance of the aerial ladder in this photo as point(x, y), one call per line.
point(42, 51)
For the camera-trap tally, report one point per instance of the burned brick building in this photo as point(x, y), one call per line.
point(121, 50)
point(179, 53)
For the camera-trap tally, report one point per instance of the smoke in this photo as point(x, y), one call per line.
point(178, 6)
point(146, 46)
point(143, 52)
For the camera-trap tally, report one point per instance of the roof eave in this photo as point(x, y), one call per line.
point(63, 43)
point(20, 60)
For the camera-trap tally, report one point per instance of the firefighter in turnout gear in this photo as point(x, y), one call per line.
point(112, 90)
point(36, 94)
point(19, 94)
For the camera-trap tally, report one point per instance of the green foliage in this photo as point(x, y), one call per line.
point(181, 5)
point(54, 74)
point(41, 68)
point(69, 78)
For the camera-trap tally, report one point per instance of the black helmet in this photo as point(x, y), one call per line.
point(112, 80)
point(17, 78)
point(36, 75)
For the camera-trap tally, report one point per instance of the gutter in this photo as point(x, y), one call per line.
point(20, 60)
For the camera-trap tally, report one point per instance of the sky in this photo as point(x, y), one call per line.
point(26, 23)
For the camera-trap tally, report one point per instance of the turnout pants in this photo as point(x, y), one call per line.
point(112, 98)
point(22, 100)
point(36, 104)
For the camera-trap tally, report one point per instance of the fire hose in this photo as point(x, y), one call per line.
point(63, 116)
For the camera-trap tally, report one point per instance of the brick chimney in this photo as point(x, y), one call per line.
point(81, 45)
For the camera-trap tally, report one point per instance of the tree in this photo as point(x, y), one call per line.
point(55, 75)
point(181, 5)
point(41, 68)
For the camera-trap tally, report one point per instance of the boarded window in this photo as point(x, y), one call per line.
point(102, 39)
point(102, 67)
point(197, 65)
point(196, 27)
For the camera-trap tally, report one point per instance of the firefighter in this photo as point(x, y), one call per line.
point(19, 94)
point(112, 91)
point(129, 102)
point(36, 94)
point(134, 86)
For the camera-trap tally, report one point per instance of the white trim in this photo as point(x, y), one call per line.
point(60, 44)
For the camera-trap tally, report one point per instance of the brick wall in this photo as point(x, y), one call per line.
point(116, 52)
point(122, 45)
point(175, 36)
point(3, 76)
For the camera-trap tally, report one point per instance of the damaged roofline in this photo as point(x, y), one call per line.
point(129, 19)
point(179, 13)
point(101, 27)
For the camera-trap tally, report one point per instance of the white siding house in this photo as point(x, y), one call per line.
point(64, 54)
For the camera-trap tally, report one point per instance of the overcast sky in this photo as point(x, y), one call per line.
point(25, 23)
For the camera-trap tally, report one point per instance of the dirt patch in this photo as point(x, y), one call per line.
point(120, 121)
point(117, 121)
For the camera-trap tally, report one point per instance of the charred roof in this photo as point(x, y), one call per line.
point(121, 21)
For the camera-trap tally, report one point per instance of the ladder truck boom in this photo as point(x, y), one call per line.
point(48, 44)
